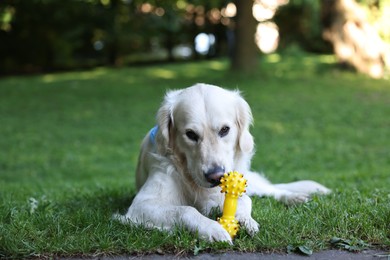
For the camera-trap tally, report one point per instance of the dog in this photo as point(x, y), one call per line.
point(202, 132)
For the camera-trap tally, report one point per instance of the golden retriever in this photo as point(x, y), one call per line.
point(201, 133)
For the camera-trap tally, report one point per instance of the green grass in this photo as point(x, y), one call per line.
point(69, 144)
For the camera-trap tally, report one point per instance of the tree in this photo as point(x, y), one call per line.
point(356, 43)
point(299, 24)
point(43, 38)
point(245, 53)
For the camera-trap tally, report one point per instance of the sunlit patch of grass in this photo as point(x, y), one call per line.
point(69, 146)
point(327, 59)
point(83, 75)
point(163, 73)
point(218, 65)
point(273, 58)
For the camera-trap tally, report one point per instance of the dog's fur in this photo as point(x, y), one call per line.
point(203, 131)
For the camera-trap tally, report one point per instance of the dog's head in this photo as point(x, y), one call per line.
point(206, 130)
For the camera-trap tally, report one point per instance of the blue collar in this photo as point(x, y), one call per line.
point(152, 135)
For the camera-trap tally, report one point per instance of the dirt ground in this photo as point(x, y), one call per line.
point(322, 255)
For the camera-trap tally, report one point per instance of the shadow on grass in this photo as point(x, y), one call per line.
point(107, 200)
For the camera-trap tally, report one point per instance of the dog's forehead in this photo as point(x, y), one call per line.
point(209, 107)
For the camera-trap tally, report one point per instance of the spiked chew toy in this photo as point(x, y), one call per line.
point(233, 184)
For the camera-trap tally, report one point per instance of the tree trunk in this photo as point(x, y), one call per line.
point(355, 42)
point(245, 53)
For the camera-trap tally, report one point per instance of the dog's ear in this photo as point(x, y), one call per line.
point(165, 121)
point(244, 121)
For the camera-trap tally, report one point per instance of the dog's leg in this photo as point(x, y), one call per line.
point(288, 193)
point(243, 215)
point(306, 186)
point(165, 217)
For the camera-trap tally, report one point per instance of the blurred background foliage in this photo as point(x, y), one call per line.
point(45, 35)
point(299, 22)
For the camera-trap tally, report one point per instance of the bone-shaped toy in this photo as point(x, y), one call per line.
point(233, 184)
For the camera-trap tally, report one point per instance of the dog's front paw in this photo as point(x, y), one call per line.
point(215, 233)
point(251, 226)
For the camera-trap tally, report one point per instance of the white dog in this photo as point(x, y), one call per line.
point(201, 133)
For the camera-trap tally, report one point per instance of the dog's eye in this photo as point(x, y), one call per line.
point(224, 131)
point(192, 136)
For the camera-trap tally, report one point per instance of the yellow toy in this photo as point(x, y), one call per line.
point(233, 184)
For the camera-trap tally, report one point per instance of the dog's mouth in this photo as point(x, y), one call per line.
point(214, 175)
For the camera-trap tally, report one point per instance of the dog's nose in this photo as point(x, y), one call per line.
point(214, 175)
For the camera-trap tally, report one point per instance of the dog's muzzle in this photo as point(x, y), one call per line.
point(213, 175)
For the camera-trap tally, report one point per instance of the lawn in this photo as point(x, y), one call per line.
point(69, 145)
